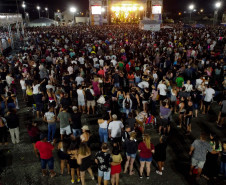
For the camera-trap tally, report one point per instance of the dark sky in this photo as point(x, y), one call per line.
point(82, 5)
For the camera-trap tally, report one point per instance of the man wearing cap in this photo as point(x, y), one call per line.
point(65, 118)
point(45, 150)
point(115, 129)
point(76, 122)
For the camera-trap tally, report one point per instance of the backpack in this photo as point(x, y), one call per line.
point(127, 104)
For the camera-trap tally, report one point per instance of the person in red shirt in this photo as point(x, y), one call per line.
point(33, 132)
point(146, 149)
point(46, 155)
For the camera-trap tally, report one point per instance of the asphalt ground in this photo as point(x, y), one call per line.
point(19, 165)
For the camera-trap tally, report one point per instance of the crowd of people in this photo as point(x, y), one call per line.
point(127, 79)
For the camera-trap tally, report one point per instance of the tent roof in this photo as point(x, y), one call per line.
point(149, 22)
point(43, 20)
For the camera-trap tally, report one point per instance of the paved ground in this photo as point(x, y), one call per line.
point(19, 166)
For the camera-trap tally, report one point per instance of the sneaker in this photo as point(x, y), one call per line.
point(72, 181)
point(158, 172)
point(78, 179)
point(147, 177)
point(162, 168)
point(93, 178)
point(141, 177)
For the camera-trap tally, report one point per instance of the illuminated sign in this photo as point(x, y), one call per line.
point(96, 10)
point(156, 9)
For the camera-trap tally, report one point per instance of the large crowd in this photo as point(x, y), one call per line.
point(127, 79)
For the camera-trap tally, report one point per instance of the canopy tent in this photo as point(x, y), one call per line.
point(6, 21)
point(42, 21)
point(166, 27)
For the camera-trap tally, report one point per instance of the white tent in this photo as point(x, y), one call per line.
point(166, 27)
point(149, 25)
point(42, 21)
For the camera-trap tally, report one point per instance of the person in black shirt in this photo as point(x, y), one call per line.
point(131, 147)
point(39, 102)
point(65, 100)
point(76, 122)
point(188, 116)
point(160, 154)
point(90, 99)
point(13, 125)
point(103, 160)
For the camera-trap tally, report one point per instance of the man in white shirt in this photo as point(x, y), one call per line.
point(209, 94)
point(23, 86)
point(115, 130)
point(162, 91)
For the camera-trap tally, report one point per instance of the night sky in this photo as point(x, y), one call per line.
point(82, 5)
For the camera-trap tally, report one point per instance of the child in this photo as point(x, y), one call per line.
point(160, 154)
point(223, 160)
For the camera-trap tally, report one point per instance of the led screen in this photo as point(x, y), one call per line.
point(156, 9)
point(96, 10)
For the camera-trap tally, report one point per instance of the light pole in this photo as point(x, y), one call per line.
point(38, 8)
point(217, 6)
point(47, 11)
point(191, 8)
point(24, 6)
point(73, 10)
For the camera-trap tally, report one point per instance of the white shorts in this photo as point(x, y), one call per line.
point(66, 129)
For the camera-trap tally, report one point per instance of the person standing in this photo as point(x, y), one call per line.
point(209, 94)
point(146, 149)
point(223, 160)
point(90, 99)
point(84, 160)
point(198, 152)
point(45, 150)
point(3, 131)
point(160, 154)
point(103, 128)
point(131, 148)
point(65, 118)
point(13, 125)
point(50, 118)
point(81, 99)
point(76, 122)
point(103, 160)
point(115, 130)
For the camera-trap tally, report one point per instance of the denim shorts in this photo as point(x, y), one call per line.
point(146, 159)
point(131, 155)
point(197, 163)
point(50, 163)
point(106, 175)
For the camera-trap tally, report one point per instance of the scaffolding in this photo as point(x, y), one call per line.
point(7, 20)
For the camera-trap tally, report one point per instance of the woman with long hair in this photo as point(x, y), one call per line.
point(210, 169)
point(146, 150)
point(84, 160)
point(73, 153)
point(131, 148)
point(62, 154)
